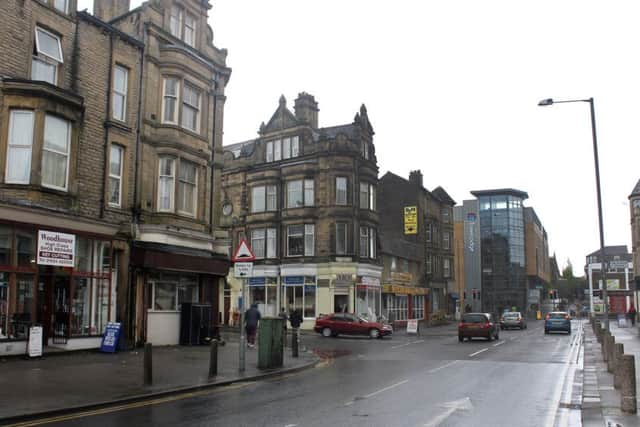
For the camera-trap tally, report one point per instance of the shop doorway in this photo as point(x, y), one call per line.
point(341, 303)
point(53, 308)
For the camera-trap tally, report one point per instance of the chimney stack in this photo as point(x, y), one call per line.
point(416, 177)
point(107, 10)
point(306, 109)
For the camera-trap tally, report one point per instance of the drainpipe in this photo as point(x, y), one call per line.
point(213, 151)
point(106, 128)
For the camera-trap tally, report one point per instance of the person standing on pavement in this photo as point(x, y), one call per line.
point(296, 320)
point(251, 320)
point(631, 314)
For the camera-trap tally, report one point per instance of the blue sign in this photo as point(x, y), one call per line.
point(257, 281)
point(111, 337)
point(294, 280)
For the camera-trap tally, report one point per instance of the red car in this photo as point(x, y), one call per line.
point(331, 325)
point(477, 325)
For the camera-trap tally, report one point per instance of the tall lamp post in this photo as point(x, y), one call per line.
point(603, 268)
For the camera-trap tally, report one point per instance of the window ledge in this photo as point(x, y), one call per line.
point(118, 125)
point(41, 89)
point(181, 129)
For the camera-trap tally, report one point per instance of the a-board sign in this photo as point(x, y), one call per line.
point(412, 326)
point(34, 346)
point(111, 337)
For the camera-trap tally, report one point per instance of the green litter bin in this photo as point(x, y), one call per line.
point(270, 342)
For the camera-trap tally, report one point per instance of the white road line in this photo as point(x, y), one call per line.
point(409, 343)
point(376, 392)
point(500, 343)
point(442, 367)
point(478, 352)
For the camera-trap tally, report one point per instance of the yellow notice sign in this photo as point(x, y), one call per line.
point(410, 220)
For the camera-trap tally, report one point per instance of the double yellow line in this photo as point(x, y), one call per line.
point(128, 406)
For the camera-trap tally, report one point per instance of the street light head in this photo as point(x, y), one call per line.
point(545, 102)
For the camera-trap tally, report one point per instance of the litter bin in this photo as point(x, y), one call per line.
point(270, 342)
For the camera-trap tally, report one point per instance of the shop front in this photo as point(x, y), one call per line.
point(401, 303)
point(64, 281)
point(368, 297)
point(300, 293)
point(167, 277)
point(263, 291)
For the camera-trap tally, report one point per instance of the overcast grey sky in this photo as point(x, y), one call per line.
point(452, 87)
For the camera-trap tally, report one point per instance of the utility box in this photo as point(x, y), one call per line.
point(270, 342)
point(195, 323)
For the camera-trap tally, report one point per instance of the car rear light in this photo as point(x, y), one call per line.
point(461, 325)
point(567, 317)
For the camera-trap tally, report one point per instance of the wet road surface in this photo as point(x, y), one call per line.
point(524, 379)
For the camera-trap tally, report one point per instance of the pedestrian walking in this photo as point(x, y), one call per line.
point(251, 320)
point(631, 314)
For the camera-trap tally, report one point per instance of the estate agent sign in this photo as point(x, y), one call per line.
point(56, 248)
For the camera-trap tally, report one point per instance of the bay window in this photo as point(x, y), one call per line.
point(269, 151)
point(341, 238)
point(190, 30)
point(182, 109)
point(166, 182)
point(367, 242)
point(263, 242)
point(175, 22)
point(264, 198)
point(446, 240)
point(282, 149)
point(367, 196)
point(300, 193)
point(191, 108)
point(300, 240)
point(61, 5)
point(20, 143)
point(188, 188)
point(341, 190)
point(55, 152)
point(446, 268)
point(170, 101)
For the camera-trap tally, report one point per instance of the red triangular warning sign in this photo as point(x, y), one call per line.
point(243, 253)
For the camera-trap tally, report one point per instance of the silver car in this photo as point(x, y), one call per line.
point(513, 319)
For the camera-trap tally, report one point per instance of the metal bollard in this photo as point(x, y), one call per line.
point(148, 364)
point(618, 351)
point(294, 342)
point(628, 384)
point(610, 349)
point(213, 359)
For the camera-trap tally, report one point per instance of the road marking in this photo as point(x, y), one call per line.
point(409, 343)
point(461, 404)
point(478, 352)
point(128, 406)
point(500, 343)
point(351, 402)
point(442, 367)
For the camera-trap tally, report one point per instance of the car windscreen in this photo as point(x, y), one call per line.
point(512, 315)
point(557, 315)
point(474, 318)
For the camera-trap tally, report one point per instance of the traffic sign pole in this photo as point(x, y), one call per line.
point(243, 336)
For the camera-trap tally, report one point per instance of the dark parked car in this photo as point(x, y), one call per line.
point(557, 321)
point(478, 325)
point(331, 325)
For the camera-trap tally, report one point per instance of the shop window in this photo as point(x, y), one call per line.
point(170, 291)
point(119, 99)
point(20, 145)
point(397, 307)
point(81, 307)
point(264, 295)
point(4, 305)
point(55, 153)
point(6, 245)
point(368, 302)
point(418, 306)
point(115, 175)
point(26, 243)
point(23, 314)
point(47, 56)
point(302, 297)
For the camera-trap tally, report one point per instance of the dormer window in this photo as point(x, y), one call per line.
point(282, 149)
point(47, 56)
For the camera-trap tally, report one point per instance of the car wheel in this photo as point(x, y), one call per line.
point(374, 333)
point(460, 338)
point(326, 332)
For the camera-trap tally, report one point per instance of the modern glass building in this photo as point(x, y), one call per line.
point(502, 234)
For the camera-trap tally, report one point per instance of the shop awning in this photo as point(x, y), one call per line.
point(169, 257)
point(404, 290)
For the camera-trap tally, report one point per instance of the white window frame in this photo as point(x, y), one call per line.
point(176, 20)
point(446, 268)
point(272, 243)
point(172, 179)
point(364, 238)
point(446, 240)
point(286, 148)
point(175, 98)
point(65, 7)
point(259, 190)
point(372, 197)
point(292, 202)
point(364, 195)
point(120, 94)
point(187, 28)
point(44, 62)
point(277, 150)
point(259, 242)
point(197, 108)
point(60, 59)
point(117, 177)
point(295, 146)
point(345, 191)
point(269, 152)
point(309, 239)
point(372, 243)
point(309, 192)
point(271, 198)
point(67, 154)
point(10, 144)
point(289, 235)
point(182, 183)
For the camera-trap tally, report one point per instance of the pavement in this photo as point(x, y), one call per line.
point(64, 383)
point(601, 402)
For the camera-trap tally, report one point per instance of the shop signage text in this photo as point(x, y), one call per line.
point(111, 337)
point(293, 280)
point(410, 220)
point(56, 248)
point(412, 326)
point(243, 269)
point(35, 341)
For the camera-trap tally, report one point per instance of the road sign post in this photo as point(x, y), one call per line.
point(243, 268)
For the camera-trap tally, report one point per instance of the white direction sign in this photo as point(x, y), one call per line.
point(243, 269)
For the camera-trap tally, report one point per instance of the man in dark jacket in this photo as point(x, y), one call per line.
point(251, 319)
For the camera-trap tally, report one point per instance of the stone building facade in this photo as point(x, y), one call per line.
point(418, 261)
point(304, 198)
point(179, 254)
point(69, 96)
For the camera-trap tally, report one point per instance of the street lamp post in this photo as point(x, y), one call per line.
point(603, 269)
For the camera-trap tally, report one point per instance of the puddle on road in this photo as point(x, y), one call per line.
point(331, 354)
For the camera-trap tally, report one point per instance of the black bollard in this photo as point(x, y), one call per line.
point(148, 364)
point(213, 359)
point(294, 342)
